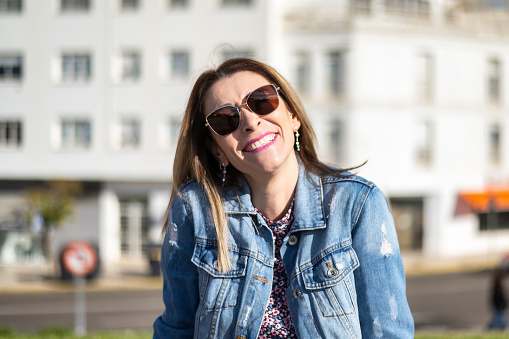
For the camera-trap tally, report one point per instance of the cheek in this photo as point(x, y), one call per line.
point(227, 144)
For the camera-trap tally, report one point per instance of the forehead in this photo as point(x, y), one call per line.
point(232, 89)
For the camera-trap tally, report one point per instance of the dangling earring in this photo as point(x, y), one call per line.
point(297, 144)
point(222, 168)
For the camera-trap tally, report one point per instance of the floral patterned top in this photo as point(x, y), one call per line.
point(277, 322)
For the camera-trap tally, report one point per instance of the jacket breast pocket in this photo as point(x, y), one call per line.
point(219, 289)
point(329, 280)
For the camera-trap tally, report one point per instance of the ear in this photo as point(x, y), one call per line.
point(217, 152)
point(295, 121)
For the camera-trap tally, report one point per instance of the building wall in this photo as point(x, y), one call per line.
point(379, 116)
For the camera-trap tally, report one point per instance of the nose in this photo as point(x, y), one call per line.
point(250, 120)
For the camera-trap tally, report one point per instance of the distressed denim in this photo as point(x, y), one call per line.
point(345, 273)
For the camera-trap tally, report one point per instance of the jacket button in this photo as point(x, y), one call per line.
point(292, 240)
point(332, 272)
point(216, 264)
point(297, 293)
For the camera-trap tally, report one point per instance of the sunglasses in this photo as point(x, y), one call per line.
point(226, 119)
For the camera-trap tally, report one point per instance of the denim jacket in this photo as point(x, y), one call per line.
point(345, 273)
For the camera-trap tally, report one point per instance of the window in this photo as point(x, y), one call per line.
point(336, 73)
point(303, 72)
point(403, 8)
point(424, 78)
point(129, 133)
point(494, 144)
point(493, 221)
point(134, 227)
point(131, 65)
point(75, 133)
point(174, 130)
point(361, 7)
point(76, 67)
point(408, 216)
point(237, 54)
point(74, 5)
point(10, 6)
point(237, 2)
point(11, 68)
point(169, 133)
point(486, 5)
point(10, 134)
point(494, 81)
point(178, 3)
point(336, 140)
point(179, 65)
point(129, 5)
point(424, 143)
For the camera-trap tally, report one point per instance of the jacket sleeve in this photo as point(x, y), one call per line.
point(180, 286)
point(380, 278)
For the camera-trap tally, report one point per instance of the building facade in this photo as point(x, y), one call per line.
point(94, 91)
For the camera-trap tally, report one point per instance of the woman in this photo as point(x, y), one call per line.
point(262, 239)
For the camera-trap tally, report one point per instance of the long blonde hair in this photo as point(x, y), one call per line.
point(193, 160)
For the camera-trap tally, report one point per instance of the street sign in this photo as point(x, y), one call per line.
point(79, 258)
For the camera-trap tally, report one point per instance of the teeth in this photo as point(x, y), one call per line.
point(263, 141)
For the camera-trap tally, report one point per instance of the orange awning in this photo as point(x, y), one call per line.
point(495, 197)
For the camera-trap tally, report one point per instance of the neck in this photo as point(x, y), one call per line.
point(273, 194)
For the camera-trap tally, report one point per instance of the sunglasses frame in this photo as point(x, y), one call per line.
point(244, 102)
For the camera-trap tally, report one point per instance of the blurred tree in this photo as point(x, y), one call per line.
point(54, 204)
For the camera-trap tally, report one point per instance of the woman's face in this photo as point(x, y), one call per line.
point(261, 144)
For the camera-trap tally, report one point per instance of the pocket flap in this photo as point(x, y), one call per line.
point(331, 268)
point(205, 256)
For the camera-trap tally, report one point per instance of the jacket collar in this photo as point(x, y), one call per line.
point(308, 205)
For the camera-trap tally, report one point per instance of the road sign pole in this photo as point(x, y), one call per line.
point(80, 314)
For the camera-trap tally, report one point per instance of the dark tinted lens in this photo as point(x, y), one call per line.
point(224, 121)
point(263, 100)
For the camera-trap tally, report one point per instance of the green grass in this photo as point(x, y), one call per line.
point(65, 333)
point(461, 335)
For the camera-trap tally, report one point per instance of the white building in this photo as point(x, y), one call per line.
point(94, 91)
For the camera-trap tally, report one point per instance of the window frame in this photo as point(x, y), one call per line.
point(336, 74)
point(303, 71)
point(19, 64)
point(130, 8)
point(130, 66)
point(408, 8)
point(495, 144)
point(424, 147)
point(237, 3)
point(228, 54)
point(178, 4)
point(425, 72)
point(129, 124)
point(9, 9)
point(75, 140)
point(494, 81)
point(180, 75)
point(7, 139)
point(75, 6)
point(81, 71)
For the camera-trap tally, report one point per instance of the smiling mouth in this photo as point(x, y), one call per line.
point(260, 143)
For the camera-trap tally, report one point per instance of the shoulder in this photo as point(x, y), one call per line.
point(354, 186)
point(189, 191)
point(187, 196)
point(344, 178)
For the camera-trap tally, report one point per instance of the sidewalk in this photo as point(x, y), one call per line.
point(416, 264)
point(123, 276)
point(135, 275)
